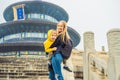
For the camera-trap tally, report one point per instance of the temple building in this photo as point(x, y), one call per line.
point(22, 55)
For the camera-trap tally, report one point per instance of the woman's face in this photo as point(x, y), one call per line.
point(60, 27)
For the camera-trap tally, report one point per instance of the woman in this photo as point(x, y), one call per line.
point(57, 58)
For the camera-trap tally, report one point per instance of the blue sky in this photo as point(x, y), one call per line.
point(98, 16)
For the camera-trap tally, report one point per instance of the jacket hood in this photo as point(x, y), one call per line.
point(49, 35)
point(48, 42)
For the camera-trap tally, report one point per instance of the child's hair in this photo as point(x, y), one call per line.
point(50, 32)
point(54, 31)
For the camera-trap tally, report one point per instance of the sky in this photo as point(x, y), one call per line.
point(98, 16)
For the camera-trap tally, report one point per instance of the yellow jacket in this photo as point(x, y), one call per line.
point(48, 42)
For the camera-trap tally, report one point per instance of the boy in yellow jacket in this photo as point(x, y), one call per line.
point(51, 36)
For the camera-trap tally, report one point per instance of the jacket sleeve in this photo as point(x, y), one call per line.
point(47, 48)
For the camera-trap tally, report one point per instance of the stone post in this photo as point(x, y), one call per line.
point(113, 37)
point(89, 47)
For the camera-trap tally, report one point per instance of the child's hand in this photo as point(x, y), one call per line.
point(55, 48)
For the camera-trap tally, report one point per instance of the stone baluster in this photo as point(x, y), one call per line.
point(89, 47)
point(113, 37)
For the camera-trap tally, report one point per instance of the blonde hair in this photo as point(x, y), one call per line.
point(64, 34)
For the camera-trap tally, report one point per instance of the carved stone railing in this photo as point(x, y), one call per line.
point(98, 66)
point(102, 65)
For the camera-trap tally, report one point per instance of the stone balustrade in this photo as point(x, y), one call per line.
point(98, 65)
point(102, 65)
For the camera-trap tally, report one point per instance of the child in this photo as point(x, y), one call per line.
point(52, 34)
point(50, 39)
